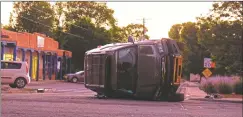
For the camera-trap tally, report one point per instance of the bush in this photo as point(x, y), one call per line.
point(209, 88)
point(225, 88)
point(222, 84)
point(238, 87)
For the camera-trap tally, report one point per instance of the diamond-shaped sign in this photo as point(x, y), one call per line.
point(207, 73)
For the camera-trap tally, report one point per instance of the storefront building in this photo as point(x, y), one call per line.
point(46, 61)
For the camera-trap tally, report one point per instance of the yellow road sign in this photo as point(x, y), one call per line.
point(207, 73)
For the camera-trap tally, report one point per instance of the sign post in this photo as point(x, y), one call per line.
point(208, 64)
point(207, 73)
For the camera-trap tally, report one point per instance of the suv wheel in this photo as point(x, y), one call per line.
point(20, 82)
point(74, 80)
point(12, 85)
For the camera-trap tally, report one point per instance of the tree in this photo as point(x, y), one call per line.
point(135, 30)
point(228, 10)
point(90, 37)
point(174, 31)
point(99, 13)
point(8, 27)
point(59, 24)
point(221, 33)
point(33, 17)
point(193, 51)
point(217, 35)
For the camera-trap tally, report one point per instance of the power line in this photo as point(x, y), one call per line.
point(48, 26)
point(50, 14)
point(72, 24)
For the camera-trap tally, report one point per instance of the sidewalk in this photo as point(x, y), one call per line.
point(34, 83)
point(31, 87)
point(231, 100)
point(192, 92)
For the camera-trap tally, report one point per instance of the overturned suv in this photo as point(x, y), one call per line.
point(149, 69)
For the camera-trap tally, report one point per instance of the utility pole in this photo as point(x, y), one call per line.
point(143, 27)
point(144, 22)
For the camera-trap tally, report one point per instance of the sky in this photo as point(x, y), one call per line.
point(160, 16)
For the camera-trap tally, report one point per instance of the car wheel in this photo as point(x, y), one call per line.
point(12, 85)
point(74, 80)
point(20, 83)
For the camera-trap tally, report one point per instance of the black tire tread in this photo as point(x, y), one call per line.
point(16, 83)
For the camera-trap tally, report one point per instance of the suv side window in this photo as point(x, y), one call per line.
point(146, 50)
point(127, 57)
point(9, 65)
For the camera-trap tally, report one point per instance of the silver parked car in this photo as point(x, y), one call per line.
point(75, 77)
point(15, 73)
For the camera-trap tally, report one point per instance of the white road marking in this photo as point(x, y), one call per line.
point(183, 108)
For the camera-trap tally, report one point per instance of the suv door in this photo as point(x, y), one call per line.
point(126, 68)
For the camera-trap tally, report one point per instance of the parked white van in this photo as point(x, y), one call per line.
point(15, 73)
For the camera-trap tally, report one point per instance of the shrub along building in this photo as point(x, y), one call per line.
point(44, 59)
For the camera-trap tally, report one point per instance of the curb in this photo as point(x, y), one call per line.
point(28, 90)
point(216, 100)
point(32, 83)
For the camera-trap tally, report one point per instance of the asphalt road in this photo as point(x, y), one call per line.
point(84, 104)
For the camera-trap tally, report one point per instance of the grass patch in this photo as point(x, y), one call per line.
point(222, 85)
point(232, 96)
point(209, 88)
point(225, 88)
point(238, 87)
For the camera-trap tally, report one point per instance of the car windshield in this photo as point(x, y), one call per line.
point(79, 72)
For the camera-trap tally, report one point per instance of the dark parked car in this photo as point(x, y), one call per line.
point(75, 77)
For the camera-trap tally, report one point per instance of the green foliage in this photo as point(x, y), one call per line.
point(135, 30)
point(225, 88)
point(217, 35)
point(238, 87)
point(29, 13)
point(174, 32)
point(77, 26)
point(99, 13)
point(8, 27)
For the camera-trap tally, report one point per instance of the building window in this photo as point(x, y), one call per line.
point(8, 57)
